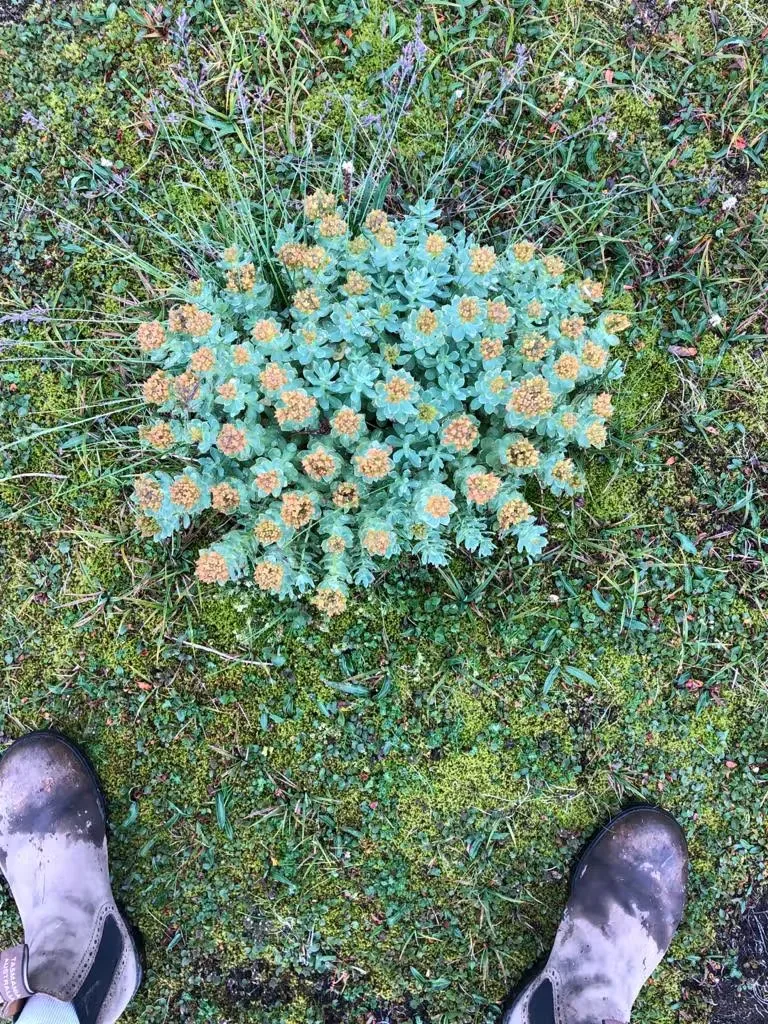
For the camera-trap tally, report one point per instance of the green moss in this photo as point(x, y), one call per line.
point(745, 395)
point(649, 382)
point(614, 496)
point(637, 115)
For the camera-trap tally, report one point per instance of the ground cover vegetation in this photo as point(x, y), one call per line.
point(371, 816)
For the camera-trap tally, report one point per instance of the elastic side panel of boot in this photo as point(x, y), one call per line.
point(90, 999)
point(541, 1008)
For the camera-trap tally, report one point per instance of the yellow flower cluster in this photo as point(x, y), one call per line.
point(297, 407)
point(522, 454)
point(335, 545)
point(491, 348)
point(315, 257)
point(146, 525)
point(602, 406)
point(319, 465)
point(535, 309)
point(148, 493)
point(267, 532)
point(482, 487)
point(332, 226)
point(202, 360)
point(524, 251)
point(591, 289)
point(468, 309)
point(190, 319)
point(347, 422)
point(268, 576)
point(572, 327)
point(460, 433)
point(512, 513)
point(375, 463)
point(318, 204)
point(497, 311)
point(186, 386)
point(159, 436)
point(482, 259)
point(265, 331)
point(594, 356)
point(184, 492)
point(438, 505)
point(225, 498)
point(376, 542)
point(596, 434)
point(565, 472)
point(569, 420)
point(267, 482)
point(346, 495)
point(329, 601)
point(157, 388)
point(376, 220)
point(306, 300)
point(241, 279)
point(386, 236)
point(398, 389)
point(615, 323)
point(531, 398)
point(240, 355)
point(227, 390)
point(435, 243)
point(535, 346)
point(231, 440)
point(357, 246)
point(426, 321)
point(150, 336)
point(296, 509)
point(567, 367)
point(356, 283)
point(211, 567)
point(296, 255)
point(554, 265)
point(273, 377)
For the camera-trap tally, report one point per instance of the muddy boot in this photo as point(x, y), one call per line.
point(627, 898)
point(53, 853)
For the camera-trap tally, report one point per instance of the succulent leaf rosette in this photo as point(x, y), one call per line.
point(396, 404)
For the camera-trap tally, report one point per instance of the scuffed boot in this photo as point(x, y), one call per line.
point(53, 853)
point(627, 898)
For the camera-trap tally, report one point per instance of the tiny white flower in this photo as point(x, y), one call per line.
point(458, 93)
point(612, 135)
point(729, 204)
point(715, 320)
point(348, 167)
point(570, 84)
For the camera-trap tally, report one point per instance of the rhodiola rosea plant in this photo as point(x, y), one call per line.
point(396, 402)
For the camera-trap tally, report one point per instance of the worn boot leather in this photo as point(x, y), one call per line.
point(627, 899)
point(53, 853)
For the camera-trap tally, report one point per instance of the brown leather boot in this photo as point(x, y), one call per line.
point(627, 899)
point(53, 853)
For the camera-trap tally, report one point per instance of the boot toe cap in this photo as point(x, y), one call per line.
point(46, 787)
point(639, 862)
